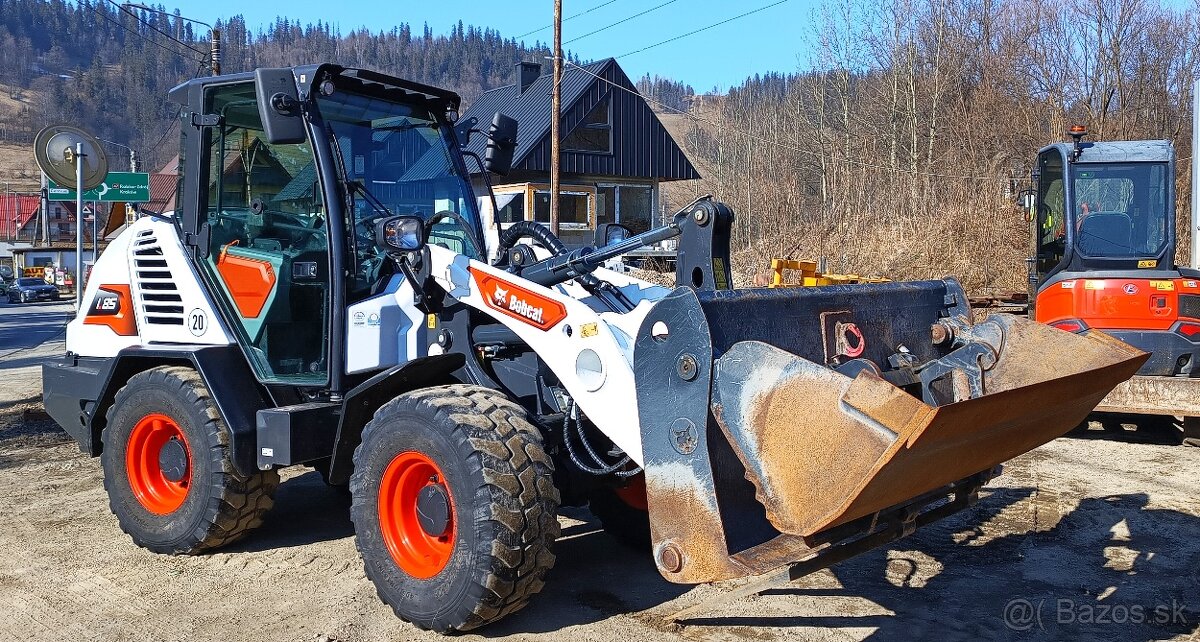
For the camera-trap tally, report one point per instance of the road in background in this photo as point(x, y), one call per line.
point(29, 333)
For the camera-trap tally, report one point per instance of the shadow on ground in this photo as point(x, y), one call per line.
point(1111, 569)
point(1130, 429)
point(593, 579)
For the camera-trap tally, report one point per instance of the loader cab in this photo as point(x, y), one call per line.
point(280, 197)
point(1103, 230)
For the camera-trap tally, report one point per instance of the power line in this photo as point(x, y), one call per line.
point(636, 15)
point(102, 14)
point(768, 141)
point(123, 9)
point(581, 13)
point(692, 33)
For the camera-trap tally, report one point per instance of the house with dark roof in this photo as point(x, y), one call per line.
point(614, 151)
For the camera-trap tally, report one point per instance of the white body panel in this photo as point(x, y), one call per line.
point(385, 330)
point(608, 397)
point(149, 257)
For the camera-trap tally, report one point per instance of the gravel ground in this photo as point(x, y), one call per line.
point(1093, 536)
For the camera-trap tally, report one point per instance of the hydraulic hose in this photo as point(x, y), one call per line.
point(544, 237)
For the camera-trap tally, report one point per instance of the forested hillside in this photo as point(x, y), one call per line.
point(98, 66)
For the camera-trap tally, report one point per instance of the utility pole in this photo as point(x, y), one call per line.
point(555, 116)
point(1195, 173)
point(214, 51)
point(45, 211)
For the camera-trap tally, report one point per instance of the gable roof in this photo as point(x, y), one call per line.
point(16, 210)
point(642, 147)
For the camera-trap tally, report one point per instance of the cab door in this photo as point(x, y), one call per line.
point(268, 241)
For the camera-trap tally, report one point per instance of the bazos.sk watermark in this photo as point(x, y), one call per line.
point(1021, 614)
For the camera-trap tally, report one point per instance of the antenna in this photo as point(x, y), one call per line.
point(69, 155)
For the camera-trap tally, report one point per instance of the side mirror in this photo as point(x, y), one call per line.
point(611, 233)
point(1026, 199)
point(279, 106)
point(400, 233)
point(502, 142)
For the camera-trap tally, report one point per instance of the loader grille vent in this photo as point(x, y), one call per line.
point(161, 303)
point(1189, 306)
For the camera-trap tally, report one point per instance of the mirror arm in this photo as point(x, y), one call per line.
point(420, 297)
point(487, 179)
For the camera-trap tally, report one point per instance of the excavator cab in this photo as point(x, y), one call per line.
point(1104, 243)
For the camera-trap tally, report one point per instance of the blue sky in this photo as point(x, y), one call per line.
point(721, 56)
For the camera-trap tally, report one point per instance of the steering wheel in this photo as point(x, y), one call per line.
point(298, 224)
point(468, 238)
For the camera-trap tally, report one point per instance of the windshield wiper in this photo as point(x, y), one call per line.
point(376, 204)
point(350, 185)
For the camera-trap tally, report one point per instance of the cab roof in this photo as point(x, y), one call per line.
point(1120, 151)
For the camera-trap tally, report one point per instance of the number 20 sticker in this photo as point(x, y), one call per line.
point(197, 322)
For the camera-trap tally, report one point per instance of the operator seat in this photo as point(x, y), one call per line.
point(1106, 234)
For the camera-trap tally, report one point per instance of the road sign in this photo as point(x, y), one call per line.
point(130, 187)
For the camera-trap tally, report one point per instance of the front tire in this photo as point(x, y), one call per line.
point(454, 506)
point(167, 467)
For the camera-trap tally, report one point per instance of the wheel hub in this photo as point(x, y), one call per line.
point(157, 464)
point(173, 460)
point(433, 509)
point(416, 514)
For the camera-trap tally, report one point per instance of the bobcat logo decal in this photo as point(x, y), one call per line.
point(519, 303)
point(500, 296)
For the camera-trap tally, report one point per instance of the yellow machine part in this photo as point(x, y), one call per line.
point(810, 276)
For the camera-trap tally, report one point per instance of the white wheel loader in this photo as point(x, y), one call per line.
point(323, 295)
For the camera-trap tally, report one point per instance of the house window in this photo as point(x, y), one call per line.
point(512, 207)
point(572, 210)
point(593, 134)
point(637, 207)
point(629, 205)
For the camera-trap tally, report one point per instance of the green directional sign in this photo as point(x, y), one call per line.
point(128, 187)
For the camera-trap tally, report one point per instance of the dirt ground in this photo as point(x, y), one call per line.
point(1093, 536)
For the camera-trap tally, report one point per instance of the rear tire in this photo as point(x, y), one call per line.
point(473, 452)
point(185, 496)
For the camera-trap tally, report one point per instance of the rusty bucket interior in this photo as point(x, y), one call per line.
point(822, 448)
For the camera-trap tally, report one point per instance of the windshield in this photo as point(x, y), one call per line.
point(1120, 209)
point(30, 282)
point(397, 156)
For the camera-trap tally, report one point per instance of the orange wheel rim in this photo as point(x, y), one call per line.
point(417, 552)
point(151, 485)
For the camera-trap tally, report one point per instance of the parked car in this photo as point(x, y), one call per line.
point(28, 290)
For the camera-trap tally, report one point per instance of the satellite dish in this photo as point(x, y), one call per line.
point(54, 150)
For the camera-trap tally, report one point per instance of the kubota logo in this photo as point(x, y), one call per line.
point(519, 303)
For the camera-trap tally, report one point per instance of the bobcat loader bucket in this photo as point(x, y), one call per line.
point(799, 427)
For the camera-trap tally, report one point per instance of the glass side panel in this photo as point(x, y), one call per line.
point(270, 253)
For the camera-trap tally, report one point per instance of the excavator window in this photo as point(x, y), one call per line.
point(1051, 213)
point(1120, 209)
point(270, 257)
